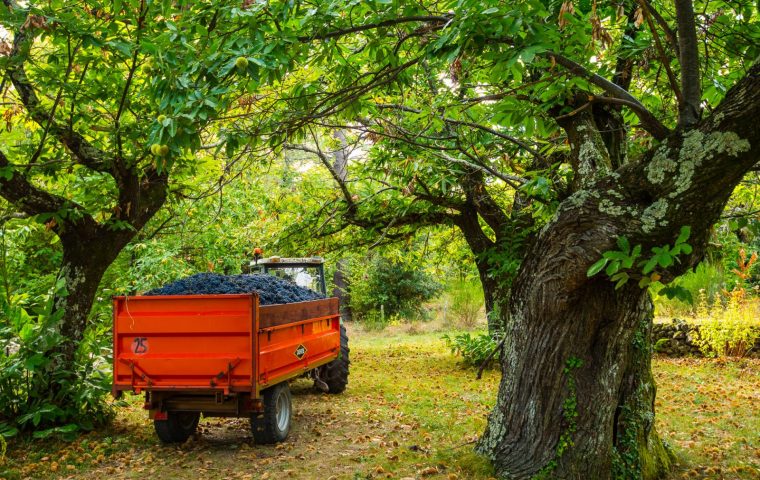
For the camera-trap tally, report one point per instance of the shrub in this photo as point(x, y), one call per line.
point(706, 281)
point(473, 348)
point(37, 393)
point(465, 298)
point(733, 330)
point(661, 344)
point(397, 288)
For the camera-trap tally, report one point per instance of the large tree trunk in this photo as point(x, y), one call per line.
point(577, 397)
point(89, 248)
point(493, 296)
point(577, 393)
point(341, 290)
point(82, 269)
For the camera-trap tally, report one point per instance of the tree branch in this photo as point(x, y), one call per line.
point(18, 191)
point(664, 58)
point(690, 110)
point(13, 216)
point(325, 160)
point(82, 151)
point(648, 121)
point(511, 180)
point(669, 33)
point(474, 125)
point(438, 20)
point(130, 76)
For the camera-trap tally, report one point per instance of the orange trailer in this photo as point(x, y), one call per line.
point(224, 356)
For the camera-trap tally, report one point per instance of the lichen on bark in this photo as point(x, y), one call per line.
point(654, 215)
point(660, 165)
point(698, 147)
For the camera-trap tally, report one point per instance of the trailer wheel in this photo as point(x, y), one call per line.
point(273, 424)
point(177, 427)
point(335, 373)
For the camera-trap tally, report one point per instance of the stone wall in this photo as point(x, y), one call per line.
point(681, 339)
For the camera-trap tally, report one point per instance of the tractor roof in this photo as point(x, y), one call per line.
point(300, 261)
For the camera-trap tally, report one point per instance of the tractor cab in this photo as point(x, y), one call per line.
point(308, 272)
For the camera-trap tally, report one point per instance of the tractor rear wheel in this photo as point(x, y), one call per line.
point(272, 425)
point(177, 427)
point(335, 373)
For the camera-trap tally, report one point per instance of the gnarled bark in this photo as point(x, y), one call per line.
point(577, 398)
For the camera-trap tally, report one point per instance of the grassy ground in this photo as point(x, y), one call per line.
point(410, 412)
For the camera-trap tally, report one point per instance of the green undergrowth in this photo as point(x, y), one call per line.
point(411, 411)
point(474, 348)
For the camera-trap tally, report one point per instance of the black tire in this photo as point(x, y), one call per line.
point(335, 373)
point(273, 424)
point(177, 427)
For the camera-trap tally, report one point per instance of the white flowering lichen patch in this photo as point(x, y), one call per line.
point(586, 161)
point(616, 194)
point(697, 148)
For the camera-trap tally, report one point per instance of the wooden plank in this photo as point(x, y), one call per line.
point(275, 315)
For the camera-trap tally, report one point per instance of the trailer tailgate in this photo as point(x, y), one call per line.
point(184, 342)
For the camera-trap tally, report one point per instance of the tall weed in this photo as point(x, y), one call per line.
point(465, 302)
point(733, 329)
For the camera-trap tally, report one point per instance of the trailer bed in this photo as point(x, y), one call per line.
point(219, 344)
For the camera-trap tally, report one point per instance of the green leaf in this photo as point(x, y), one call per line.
point(684, 235)
point(34, 361)
point(27, 332)
point(596, 267)
point(649, 265)
point(6, 172)
point(612, 268)
point(623, 244)
point(69, 428)
point(677, 292)
point(43, 433)
point(621, 278)
point(665, 260)
point(615, 255)
point(7, 431)
point(490, 11)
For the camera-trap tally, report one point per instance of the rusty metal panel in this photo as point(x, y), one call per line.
point(276, 315)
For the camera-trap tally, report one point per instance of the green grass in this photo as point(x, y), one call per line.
point(410, 411)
